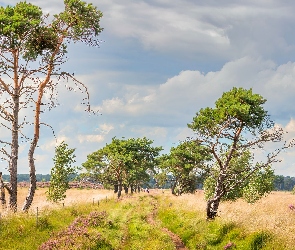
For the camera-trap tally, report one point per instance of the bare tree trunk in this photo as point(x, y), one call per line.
point(14, 155)
point(2, 190)
point(32, 188)
point(33, 180)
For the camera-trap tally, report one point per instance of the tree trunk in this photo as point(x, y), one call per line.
point(32, 188)
point(173, 186)
point(33, 180)
point(213, 203)
point(119, 189)
point(14, 154)
point(126, 189)
point(212, 208)
point(2, 190)
point(116, 189)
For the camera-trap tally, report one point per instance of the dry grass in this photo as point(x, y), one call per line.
point(270, 213)
point(74, 196)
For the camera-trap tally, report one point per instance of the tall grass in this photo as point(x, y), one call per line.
point(83, 223)
point(185, 216)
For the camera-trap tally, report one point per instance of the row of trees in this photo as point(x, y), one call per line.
point(221, 156)
point(228, 153)
point(124, 163)
point(284, 183)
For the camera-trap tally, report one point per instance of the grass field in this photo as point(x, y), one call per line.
point(146, 221)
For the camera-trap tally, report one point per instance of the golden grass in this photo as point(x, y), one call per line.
point(270, 213)
point(74, 196)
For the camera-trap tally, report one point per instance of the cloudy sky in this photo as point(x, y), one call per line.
point(160, 61)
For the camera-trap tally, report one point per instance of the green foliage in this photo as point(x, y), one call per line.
point(186, 163)
point(60, 173)
point(82, 18)
point(23, 27)
point(123, 162)
point(239, 105)
point(16, 22)
point(251, 187)
point(80, 234)
point(260, 184)
point(232, 131)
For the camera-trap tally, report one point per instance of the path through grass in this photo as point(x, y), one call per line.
point(138, 222)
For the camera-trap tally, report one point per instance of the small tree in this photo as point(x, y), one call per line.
point(61, 172)
point(237, 127)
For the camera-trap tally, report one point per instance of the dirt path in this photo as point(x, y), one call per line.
point(174, 237)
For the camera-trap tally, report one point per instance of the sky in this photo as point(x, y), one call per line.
point(160, 62)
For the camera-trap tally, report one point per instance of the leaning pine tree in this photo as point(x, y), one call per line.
point(235, 132)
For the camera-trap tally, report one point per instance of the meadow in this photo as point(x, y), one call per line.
point(95, 219)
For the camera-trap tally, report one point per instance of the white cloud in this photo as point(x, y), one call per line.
point(183, 95)
point(290, 127)
point(51, 144)
point(147, 79)
point(223, 29)
point(105, 128)
point(90, 138)
point(154, 132)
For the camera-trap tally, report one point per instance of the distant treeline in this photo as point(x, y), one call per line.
point(281, 182)
point(284, 183)
point(26, 177)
